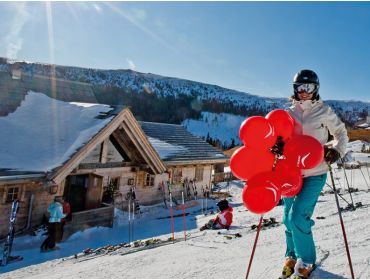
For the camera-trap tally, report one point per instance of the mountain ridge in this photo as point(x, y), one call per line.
point(158, 98)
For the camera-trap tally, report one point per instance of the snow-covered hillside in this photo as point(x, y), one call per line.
point(209, 254)
point(164, 86)
point(223, 127)
point(144, 82)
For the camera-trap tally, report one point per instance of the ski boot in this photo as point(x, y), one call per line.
point(204, 227)
point(302, 270)
point(288, 268)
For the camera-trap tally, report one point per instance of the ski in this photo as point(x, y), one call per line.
point(163, 192)
point(10, 237)
point(267, 223)
point(187, 184)
point(230, 235)
point(12, 259)
point(169, 187)
point(194, 187)
point(50, 250)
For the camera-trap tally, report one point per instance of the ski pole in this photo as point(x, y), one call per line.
point(133, 219)
point(129, 221)
point(341, 222)
point(340, 185)
point(172, 221)
point(254, 246)
point(345, 176)
point(340, 195)
point(368, 188)
point(206, 205)
point(183, 213)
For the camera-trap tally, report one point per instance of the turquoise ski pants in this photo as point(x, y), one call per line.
point(298, 211)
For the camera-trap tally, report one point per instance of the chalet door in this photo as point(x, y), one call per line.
point(75, 191)
point(94, 192)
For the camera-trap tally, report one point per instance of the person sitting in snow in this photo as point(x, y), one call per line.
point(223, 219)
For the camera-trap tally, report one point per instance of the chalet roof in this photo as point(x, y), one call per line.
point(13, 91)
point(49, 125)
point(42, 133)
point(175, 144)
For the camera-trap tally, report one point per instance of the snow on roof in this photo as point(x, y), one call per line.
point(43, 133)
point(164, 149)
point(174, 143)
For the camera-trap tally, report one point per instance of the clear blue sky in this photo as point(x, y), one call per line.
point(254, 47)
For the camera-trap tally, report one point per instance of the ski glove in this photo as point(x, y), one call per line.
point(331, 155)
point(278, 148)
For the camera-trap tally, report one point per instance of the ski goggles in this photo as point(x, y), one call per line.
point(307, 88)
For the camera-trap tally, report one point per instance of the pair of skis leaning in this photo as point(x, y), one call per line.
point(7, 257)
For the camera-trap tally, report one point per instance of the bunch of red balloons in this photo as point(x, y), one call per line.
point(268, 178)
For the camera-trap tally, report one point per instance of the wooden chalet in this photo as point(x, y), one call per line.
point(187, 157)
point(53, 153)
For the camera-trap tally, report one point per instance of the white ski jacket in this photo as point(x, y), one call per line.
point(316, 119)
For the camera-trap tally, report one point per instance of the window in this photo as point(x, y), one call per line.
point(199, 173)
point(149, 180)
point(115, 183)
point(176, 176)
point(12, 194)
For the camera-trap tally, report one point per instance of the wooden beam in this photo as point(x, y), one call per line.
point(119, 136)
point(154, 155)
point(194, 162)
point(72, 163)
point(140, 147)
point(104, 151)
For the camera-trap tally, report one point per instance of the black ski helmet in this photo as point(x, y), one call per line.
point(306, 77)
point(223, 204)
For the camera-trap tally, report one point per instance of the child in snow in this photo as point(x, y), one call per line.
point(316, 120)
point(223, 219)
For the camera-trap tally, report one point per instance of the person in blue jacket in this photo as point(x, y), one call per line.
point(55, 210)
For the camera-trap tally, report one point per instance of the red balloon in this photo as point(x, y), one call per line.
point(246, 162)
point(283, 123)
point(288, 179)
point(257, 132)
point(260, 194)
point(303, 151)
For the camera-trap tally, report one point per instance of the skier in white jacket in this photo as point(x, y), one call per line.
point(315, 119)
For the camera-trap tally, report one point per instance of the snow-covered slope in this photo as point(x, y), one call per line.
point(224, 127)
point(207, 255)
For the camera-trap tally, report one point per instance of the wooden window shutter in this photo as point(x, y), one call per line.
point(140, 178)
